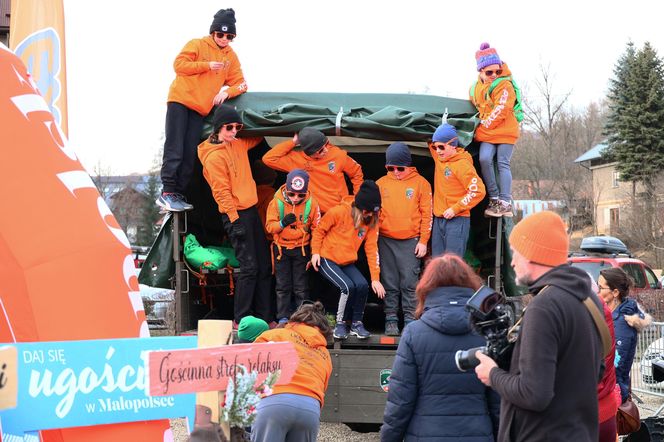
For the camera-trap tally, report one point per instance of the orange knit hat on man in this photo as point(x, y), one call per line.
point(541, 238)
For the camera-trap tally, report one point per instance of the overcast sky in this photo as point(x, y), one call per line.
point(120, 54)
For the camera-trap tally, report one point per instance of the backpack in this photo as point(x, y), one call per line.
point(307, 209)
point(518, 107)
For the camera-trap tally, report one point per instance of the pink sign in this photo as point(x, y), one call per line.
point(210, 368)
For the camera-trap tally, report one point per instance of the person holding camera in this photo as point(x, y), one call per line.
point(429, 398)
point(550, 390)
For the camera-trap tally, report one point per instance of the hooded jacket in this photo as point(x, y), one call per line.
point(337, 239)
point(456, 183)
point(326, 175)
point(550, 391)
point(608, 405)
point(195, 84)
point(405, 210)
point(628, 320)
point(429, 398)
point(315, 366)
point(297, 234)
point(227, 171)
point(498, 124)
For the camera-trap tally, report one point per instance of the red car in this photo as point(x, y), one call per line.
point(600, 252)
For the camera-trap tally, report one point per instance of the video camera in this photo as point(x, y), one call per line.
point(492, 318)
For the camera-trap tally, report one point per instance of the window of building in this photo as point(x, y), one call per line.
point(616, 178)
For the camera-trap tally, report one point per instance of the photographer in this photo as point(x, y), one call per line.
point(550, 390)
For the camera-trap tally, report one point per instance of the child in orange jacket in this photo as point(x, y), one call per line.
point(292, 215)
point(457, 189)
point(326, 164)
point(405, 228)
point(207, 73)
point(334, 247)
point(498, 129)
point(226, 168)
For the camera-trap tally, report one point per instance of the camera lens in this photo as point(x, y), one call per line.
point(466, 360)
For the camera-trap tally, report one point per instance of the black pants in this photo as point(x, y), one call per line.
point(254, 280)
point(292, 283)
point(183, 135)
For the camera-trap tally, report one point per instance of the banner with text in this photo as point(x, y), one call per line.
point(8, 377)
point(80, 383)
point(210, 368)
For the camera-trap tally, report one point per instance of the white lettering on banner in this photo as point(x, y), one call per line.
point(67, 384)
point(136, 405)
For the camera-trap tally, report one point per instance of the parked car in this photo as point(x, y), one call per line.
point(600, 252)
point(654, 352)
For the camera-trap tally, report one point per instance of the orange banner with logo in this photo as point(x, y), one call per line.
point(38, 37)
point(66, 269)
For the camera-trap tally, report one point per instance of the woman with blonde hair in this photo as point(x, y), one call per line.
point(429, 398)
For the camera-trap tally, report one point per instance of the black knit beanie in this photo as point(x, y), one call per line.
point(368, 197)
point(397, 154)
point(311, 140)
point(224, 114)
point(224, 21)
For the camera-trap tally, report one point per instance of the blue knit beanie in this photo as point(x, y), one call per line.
point(398, 154)
point(445, 133)
point(486, 56)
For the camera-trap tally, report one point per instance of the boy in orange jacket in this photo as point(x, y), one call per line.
point(207, 73)
point(498, 130)
point(326, 164)
point(226, 168)
point(291, 217)
point(405, 228)
point(334, 247)
point(457, 189)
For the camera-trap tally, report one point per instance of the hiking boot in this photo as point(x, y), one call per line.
point(505, 209)
point(357, 329)
point(493, 209)
point(391, 328)
point(173, 202)
point(340, 331)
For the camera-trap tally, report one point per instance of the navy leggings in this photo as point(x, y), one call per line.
point(353, 286)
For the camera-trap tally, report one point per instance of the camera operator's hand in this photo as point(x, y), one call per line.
point(483, 371)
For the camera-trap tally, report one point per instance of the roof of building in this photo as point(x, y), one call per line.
point(592, 154)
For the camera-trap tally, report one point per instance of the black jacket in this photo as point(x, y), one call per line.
point(429, 398)
point(550, 391)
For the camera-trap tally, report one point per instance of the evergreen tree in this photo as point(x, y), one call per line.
point(147, 229)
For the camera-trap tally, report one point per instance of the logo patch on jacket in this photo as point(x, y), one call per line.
point(409, 193)
point(331, 166)
point(448, 172)
point(361, 232)
point(385, 379)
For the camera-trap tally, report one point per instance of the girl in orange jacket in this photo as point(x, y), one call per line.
point(207, 73)
point(291, 217)
point(405, 228)
point(293, 409)
point(334, 247)
point(498, 129)
point(226, 168)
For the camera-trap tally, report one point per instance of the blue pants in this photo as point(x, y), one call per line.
point(450, 235)
point(503, 155)
point(353, 286)
point(286, 417)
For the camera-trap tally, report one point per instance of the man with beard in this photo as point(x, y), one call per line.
point(550, 390)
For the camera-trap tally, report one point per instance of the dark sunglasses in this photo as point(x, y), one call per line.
point(295, 194)
point(393, 168)
point(230, 37)
point(231, 126)
point(490, 73)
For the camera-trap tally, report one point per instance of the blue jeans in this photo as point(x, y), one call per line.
point(503, 155)
point(353, 286)
point(450, 235)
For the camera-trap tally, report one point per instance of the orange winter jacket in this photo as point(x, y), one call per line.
point(326, 175)
point(195, 84)
point(338, 240)
point(315, 365)
point(456, 183)
point(406, 207)
point(297, 234)
point(498, 124)
point(226, 169)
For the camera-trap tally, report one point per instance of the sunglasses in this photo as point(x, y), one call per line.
point(393, 168)
point(295, 195)
point(490, 73)
point(231, 126)
point(230, 37)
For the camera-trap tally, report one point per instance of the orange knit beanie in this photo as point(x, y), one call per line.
point(541, 238)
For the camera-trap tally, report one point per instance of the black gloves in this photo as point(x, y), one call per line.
point(237, 229)
point(288, 219)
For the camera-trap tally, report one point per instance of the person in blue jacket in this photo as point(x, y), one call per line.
point(429, 398)
point(628, 320)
